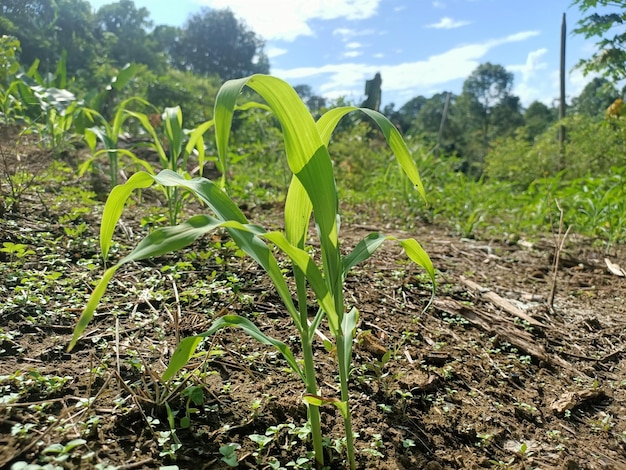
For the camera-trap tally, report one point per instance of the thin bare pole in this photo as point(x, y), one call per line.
point(562, 100)
point(443, 121)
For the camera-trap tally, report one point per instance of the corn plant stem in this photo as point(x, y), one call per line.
point(311, 387)
point(113, 167)
point(172, 204)
point(344, 353)
point(345, 397)
point(306, 338)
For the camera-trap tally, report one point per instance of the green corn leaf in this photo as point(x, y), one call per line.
point(123, 76)
point(173, 122)
point(362, 251)
point(85, 166)
point(298, 209)
point(307, 265)
point(91, 306)
point(122, 114)
point(368, 245)
point(115, 205)
point(196, 140)
point(348, 325)
point(317, 400)
point(60, 76)
point(328, 122)
point(169, 239)
point(419, 256)
point(156, 141)
point(226, 211)
point(159, 242)
point(225, 105)
point(187, 346)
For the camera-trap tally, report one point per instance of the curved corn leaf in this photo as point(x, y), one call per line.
point(362, 251)
point(84, 167)
point(159, 242)
point(156, 141)
point(115, 205)
point(348, 325)
point(298, 210)
point(419, 256)
point(327, 123)
point(187, 346)
point(225, 210)
point(196, 141)
point(173, 123)
point(122, 114)
point(368, 245)
point(307, 266)
point(91, 306)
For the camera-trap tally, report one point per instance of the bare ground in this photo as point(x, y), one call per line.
point(490, 376)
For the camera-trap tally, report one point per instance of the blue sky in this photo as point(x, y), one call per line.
point(420, 47)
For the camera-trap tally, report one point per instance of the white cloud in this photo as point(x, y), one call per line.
point(438, 4)
point(448, 23)
point(288, 19)
point(378, 55)
point(533, 63)
point(436, 70)
point(528, 88)
point(275, 52)
point(354, 45)
point(347, 33)
point(352, 54)
point(577, 81)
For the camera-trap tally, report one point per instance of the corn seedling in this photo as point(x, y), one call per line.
point(176, 156)
point(108, 134)
point(312, 193)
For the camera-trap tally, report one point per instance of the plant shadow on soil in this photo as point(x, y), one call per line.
point(488, 377)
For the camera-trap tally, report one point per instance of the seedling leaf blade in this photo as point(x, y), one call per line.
point(115, 205)
point(188, 346)
point(329, 120)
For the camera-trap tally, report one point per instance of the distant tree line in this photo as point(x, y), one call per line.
point(182, 64)
point(211, 42)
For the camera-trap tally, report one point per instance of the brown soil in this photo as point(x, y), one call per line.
point(490, 376)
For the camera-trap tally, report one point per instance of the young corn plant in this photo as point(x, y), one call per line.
point(108, 134)
point(174, 156)
point(312, 193)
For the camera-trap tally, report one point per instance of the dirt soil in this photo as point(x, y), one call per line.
point(490, 376)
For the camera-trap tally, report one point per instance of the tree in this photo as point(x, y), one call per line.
point(166, 39)
point(214, 42)
point(595, 98)
point(124, 30)
point(75, 34)
point(506, 116)
point(46, 28)
point(33, 23)
point(610, 58)
point(484, 110)
point(537, 118)
point(408, 112)
point(427, 123)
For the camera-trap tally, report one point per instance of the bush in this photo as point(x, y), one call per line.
point(593, 146)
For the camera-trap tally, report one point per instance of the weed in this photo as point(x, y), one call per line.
point(229, 454)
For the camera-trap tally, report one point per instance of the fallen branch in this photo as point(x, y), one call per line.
point(500, 302)
point(505, 329)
